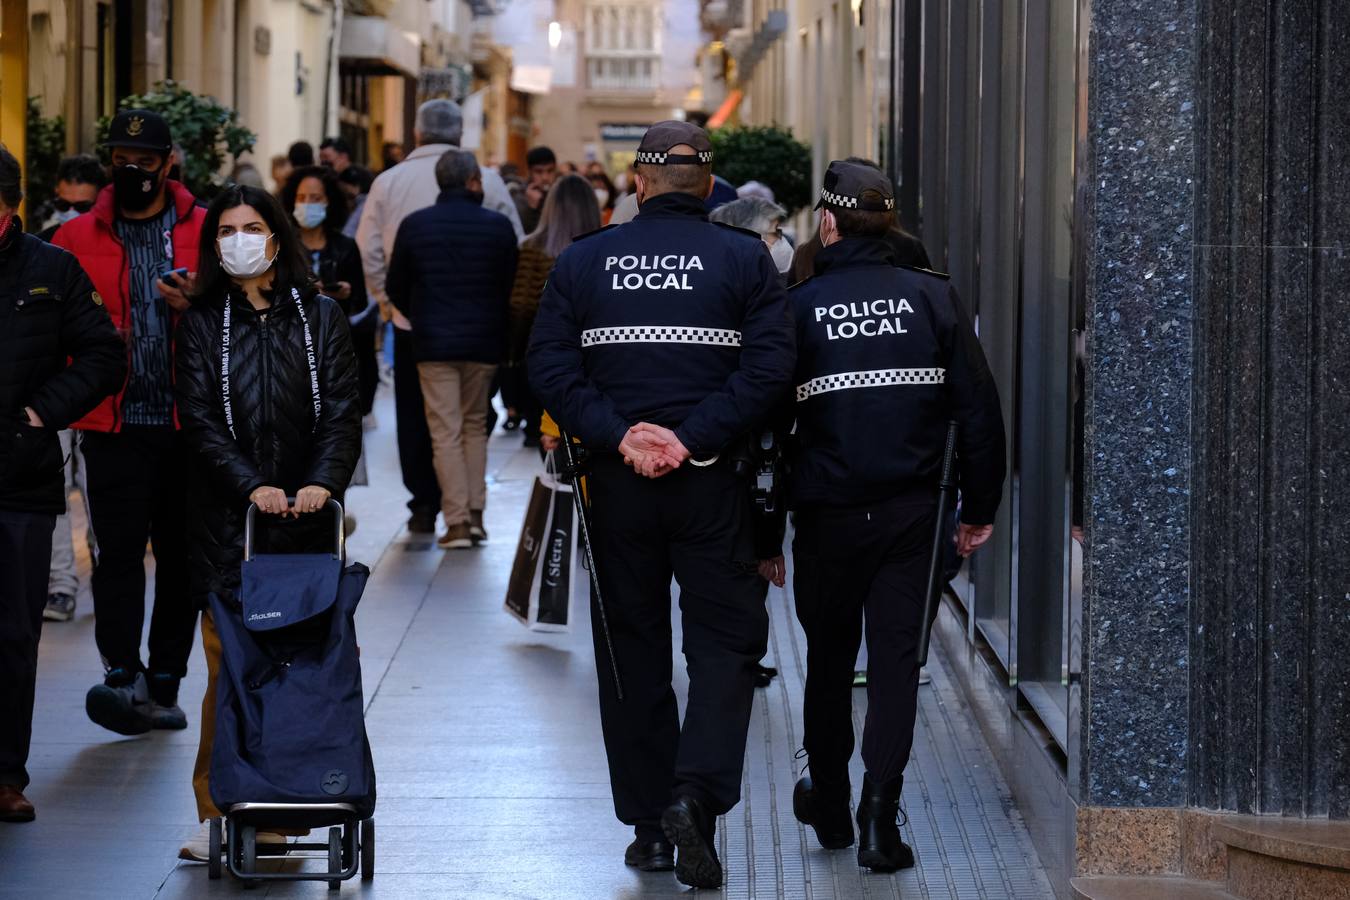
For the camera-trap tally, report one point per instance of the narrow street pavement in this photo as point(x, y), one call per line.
point(486, 737)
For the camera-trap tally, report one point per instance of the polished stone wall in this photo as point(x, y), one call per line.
point(1138, 202)
point(1270, 621)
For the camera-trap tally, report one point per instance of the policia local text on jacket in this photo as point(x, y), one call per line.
point(886, 357)
point(678, 322)
point(49, 313)
point(277, 441)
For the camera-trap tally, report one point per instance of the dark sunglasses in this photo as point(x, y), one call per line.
point(82, 206)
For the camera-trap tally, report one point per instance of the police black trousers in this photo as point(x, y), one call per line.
point(693, 524)
point(25, 555)
point(135, 480)
point(862, 567)
point(415, 455)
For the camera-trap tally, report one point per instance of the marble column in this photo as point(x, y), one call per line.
point(1270, 641)
point(1139, 204)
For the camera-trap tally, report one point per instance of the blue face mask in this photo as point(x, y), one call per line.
point(310, 215)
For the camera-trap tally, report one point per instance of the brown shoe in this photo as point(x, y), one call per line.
point(476, 529)
point(456, 537)
point(14, 806)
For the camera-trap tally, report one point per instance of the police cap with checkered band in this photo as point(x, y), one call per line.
point(846, 183)
point(661, 137)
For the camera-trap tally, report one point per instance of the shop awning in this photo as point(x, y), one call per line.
point(719, 118)
point(373, 46)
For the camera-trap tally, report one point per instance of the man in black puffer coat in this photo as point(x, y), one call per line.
point(59, 356)
point(452, 270)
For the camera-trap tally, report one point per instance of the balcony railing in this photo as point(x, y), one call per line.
point(623, 72)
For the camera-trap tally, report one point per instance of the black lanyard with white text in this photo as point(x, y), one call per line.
point(310, 360)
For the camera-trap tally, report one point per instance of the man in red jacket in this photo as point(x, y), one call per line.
point(139, 246)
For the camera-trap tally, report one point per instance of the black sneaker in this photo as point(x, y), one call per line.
point(121, 703)
point(691, 830)
point(59, 608)
point(165, 713)
point(422, 523)
point(764, 675)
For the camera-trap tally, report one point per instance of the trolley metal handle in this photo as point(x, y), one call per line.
point(340, 529)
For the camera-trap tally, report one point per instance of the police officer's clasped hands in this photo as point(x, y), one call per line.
point(652, 451)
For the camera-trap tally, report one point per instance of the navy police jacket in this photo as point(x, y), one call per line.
point(886, 356)
point(668, 319)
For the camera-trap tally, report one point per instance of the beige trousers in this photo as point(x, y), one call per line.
point(456, 397)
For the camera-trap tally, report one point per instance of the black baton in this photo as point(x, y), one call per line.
point(941, 538)
point(583, 516)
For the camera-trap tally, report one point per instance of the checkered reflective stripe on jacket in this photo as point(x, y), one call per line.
point(661, 334)
point(873, 378)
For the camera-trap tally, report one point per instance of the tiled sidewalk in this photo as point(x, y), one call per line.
point(486, 738)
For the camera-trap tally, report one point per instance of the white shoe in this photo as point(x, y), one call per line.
point(924, 677)
point(197, 849)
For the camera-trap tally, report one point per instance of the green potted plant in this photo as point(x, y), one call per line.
point(767, 154)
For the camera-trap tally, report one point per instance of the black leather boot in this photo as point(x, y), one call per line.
point(824, 806)
point(690, 828)
point(879, 845)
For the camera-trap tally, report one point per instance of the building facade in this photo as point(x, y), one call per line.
point(294, 69)
point(617, 66)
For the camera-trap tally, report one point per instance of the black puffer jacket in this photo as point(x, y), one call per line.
point(276, 442)
point(48, 313)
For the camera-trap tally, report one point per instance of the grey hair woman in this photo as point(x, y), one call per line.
point(764, 218)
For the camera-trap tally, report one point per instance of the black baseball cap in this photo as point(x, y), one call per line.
point(845, 183)
point(656, 143)
point(139, 128)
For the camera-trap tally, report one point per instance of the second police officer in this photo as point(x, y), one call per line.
point(660, 344)
point(886, 357)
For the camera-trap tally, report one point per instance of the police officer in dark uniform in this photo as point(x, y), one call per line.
point(886, 357)
point(661, 344)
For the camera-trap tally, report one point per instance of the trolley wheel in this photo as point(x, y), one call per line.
point(334, 857)
point(214, 851)
point(367, 849)
point(248, 853)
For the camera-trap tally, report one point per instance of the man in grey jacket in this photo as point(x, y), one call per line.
point(396, 193)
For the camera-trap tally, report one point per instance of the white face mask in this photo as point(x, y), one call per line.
point(602, 197)
point(781, 251)
point(244, 255)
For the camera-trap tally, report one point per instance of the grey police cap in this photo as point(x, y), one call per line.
point(656, 143)
point(846, 182)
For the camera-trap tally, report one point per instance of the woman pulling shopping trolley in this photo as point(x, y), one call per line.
point(268, 400)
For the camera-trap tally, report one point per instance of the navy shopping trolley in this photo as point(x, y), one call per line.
point(290, 748)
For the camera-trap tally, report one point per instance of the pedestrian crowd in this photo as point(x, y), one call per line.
point(180, 360)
